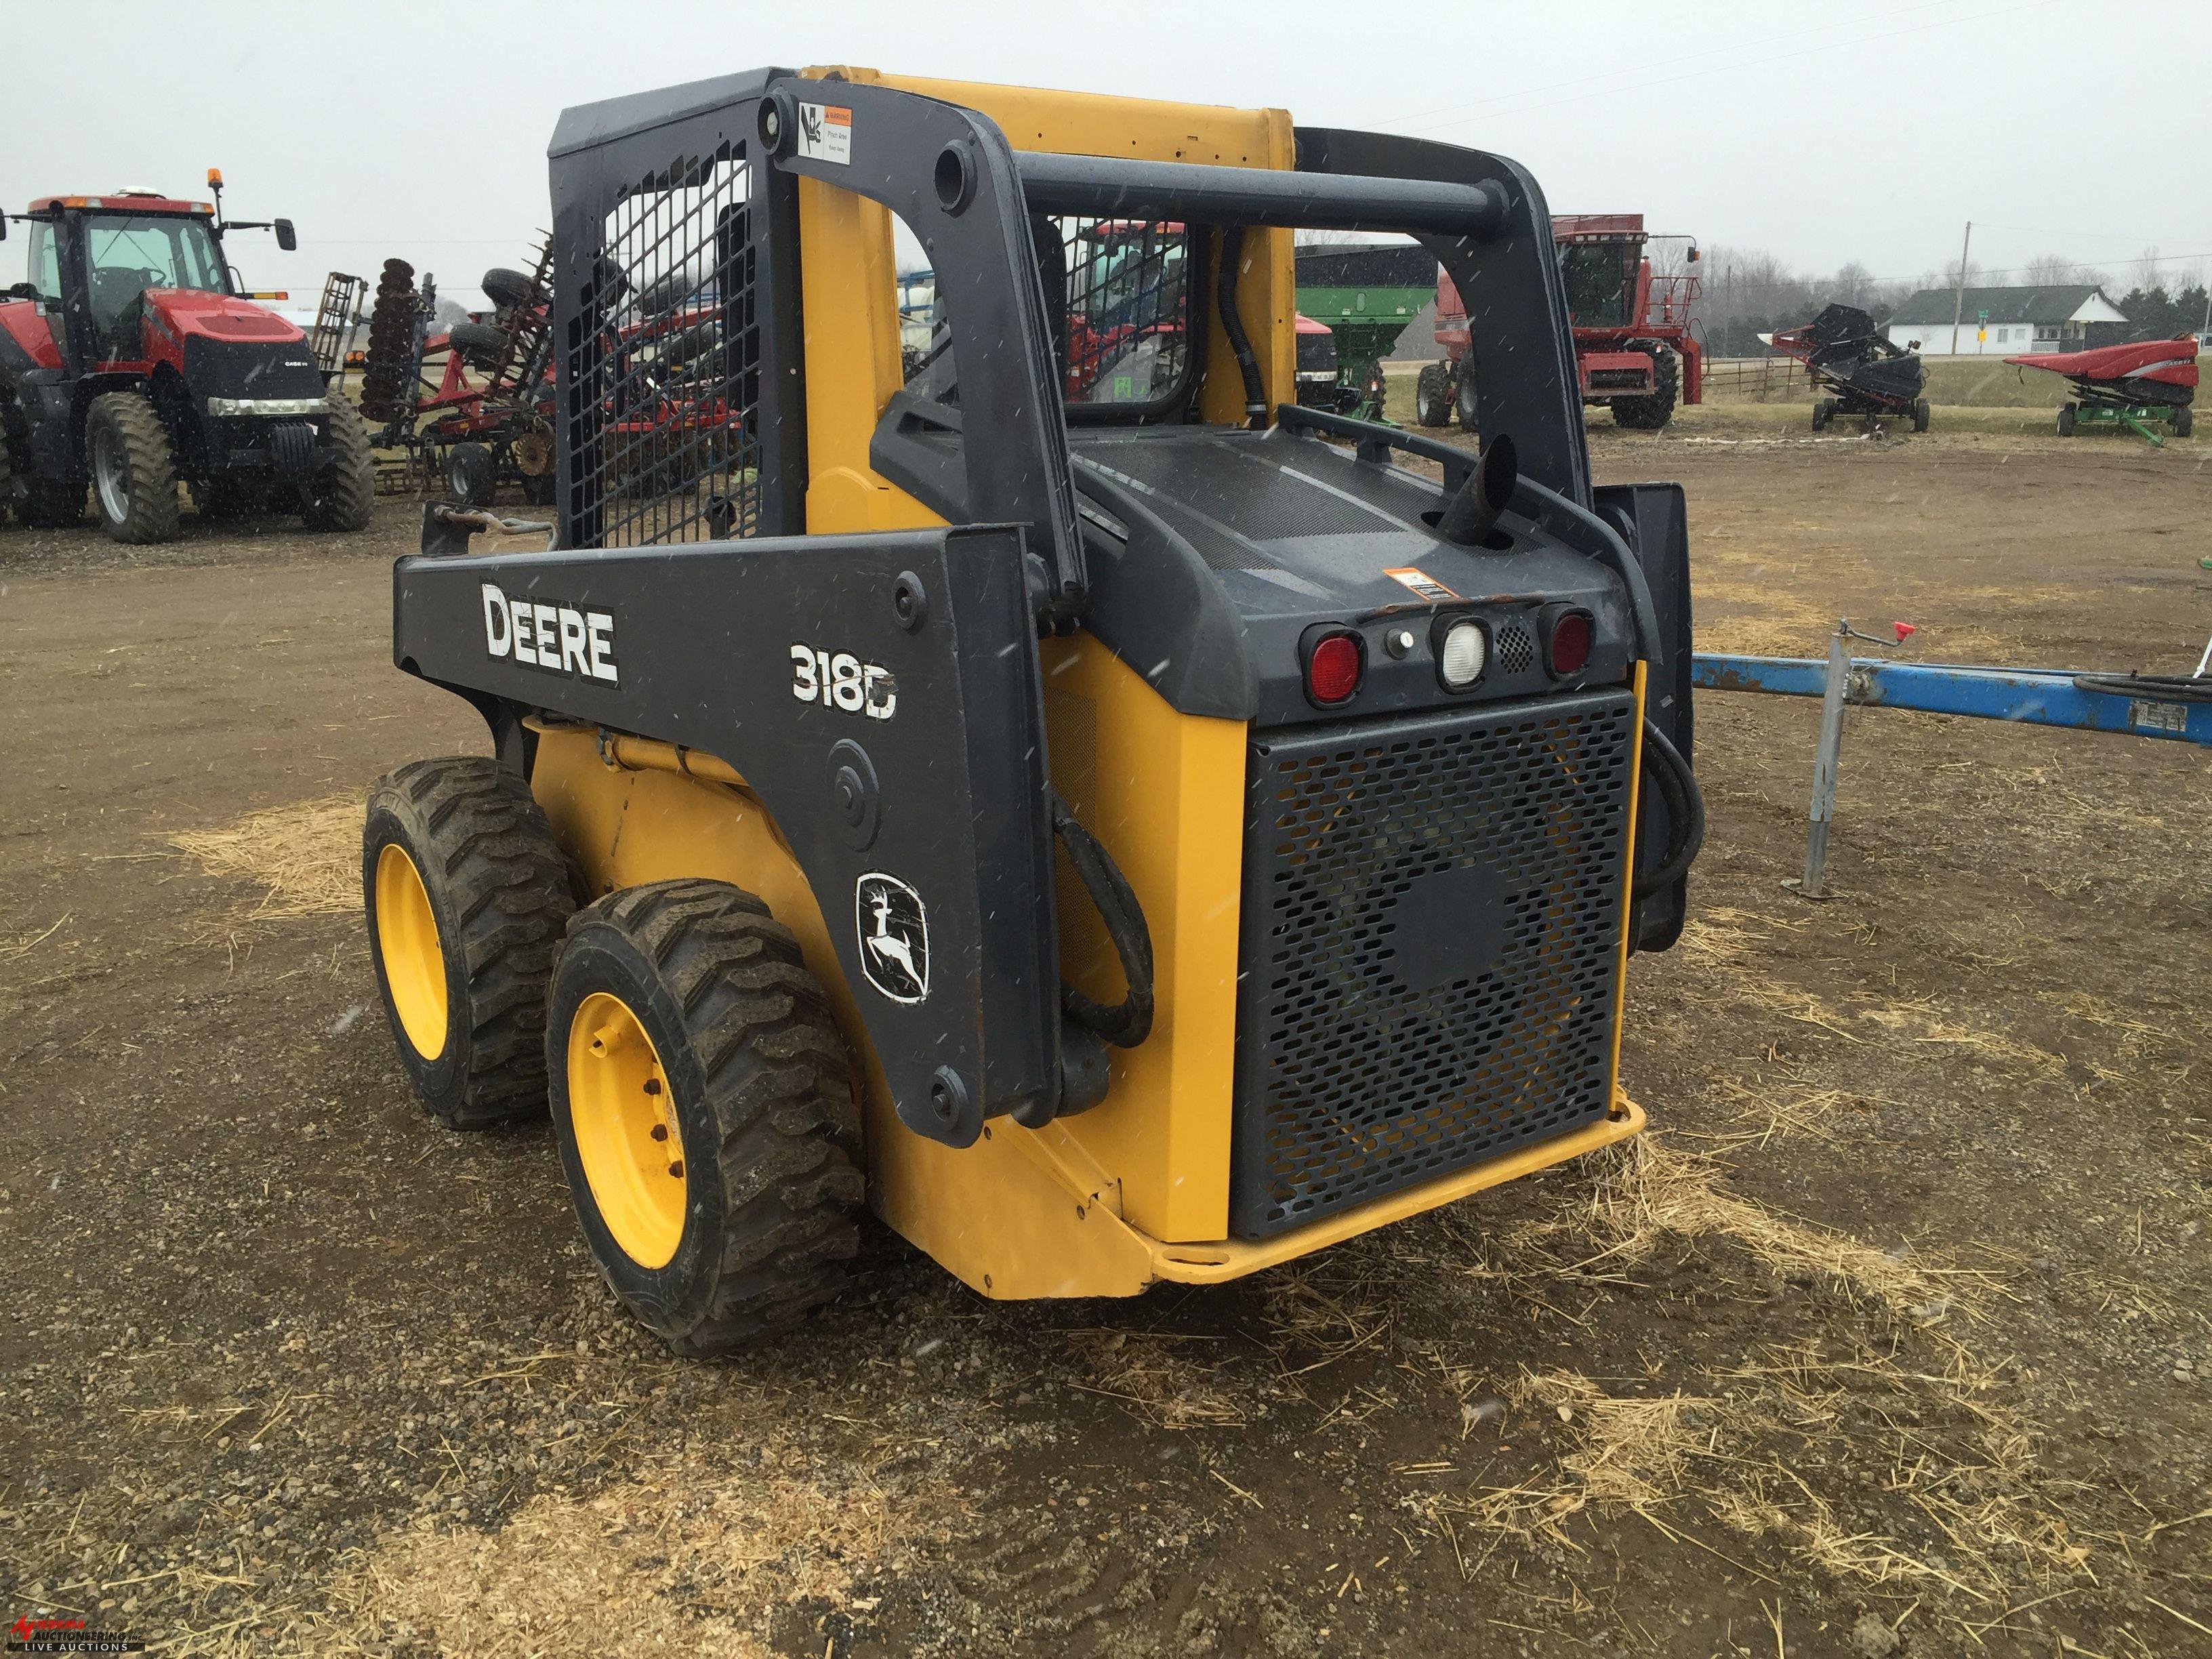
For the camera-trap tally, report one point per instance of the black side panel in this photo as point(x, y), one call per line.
point(1654, 521)
point(1516, 303)
point(904, 765)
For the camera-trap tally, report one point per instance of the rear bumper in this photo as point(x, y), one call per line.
point(1215, 1263)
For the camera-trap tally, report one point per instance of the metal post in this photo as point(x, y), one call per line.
point(1959, 305)
point(1823, 763)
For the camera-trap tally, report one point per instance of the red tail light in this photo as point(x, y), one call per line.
point(1334, 668)
point(1567, 645)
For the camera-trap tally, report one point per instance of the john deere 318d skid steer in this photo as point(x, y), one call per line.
point(1048, 789)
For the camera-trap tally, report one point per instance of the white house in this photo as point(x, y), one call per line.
point(2002, 322)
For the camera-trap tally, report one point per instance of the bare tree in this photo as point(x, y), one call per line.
point(2053, 270)
point(1953, 279)
point(1853, 284)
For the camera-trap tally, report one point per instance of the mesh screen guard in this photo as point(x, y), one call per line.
point(1430, 953)
point(664, 362)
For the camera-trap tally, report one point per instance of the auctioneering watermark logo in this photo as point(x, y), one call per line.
point(28, 1635)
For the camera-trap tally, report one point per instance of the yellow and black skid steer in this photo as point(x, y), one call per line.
point(1047, 789)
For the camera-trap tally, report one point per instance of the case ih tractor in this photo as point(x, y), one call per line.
point(130, 361)
point(1119, 827)
point(1634, 349)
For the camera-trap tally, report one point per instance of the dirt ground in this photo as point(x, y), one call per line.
point(1892, 1337)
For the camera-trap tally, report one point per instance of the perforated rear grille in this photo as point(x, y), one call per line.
point(1430, 947)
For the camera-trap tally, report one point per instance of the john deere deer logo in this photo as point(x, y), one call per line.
point(894, 937)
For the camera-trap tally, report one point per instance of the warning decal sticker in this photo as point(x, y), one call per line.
point(826, 133)
point(1421, 583)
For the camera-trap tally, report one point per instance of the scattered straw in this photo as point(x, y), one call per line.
point(688, 1558)
point(305, 857)
point(1156, 1378)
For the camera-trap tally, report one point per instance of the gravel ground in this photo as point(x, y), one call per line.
point(1890, 1339)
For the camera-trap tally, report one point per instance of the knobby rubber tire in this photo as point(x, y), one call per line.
point(766, 1095)
point(1467, 404)
point(502, 894)
point(150, 506)
point(343, 496)
point(1431, 395)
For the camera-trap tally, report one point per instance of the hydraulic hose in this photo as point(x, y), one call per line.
point(2158, 688)
point(1224, 296)
point(1666, 771)
point(1129, 1022)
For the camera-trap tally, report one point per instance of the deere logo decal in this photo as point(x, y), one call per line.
point(894, 932)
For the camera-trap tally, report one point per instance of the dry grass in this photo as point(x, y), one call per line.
point(1167, 1381)
point(688, 1557)
point(1797, 1444)
point(306, 858)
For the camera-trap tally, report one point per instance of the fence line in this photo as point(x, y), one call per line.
point(1756, 379)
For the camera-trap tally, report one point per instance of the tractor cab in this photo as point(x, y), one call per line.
point(131, 361)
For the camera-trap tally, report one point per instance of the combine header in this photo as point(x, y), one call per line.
point(2131, 386)
point(1842, 350)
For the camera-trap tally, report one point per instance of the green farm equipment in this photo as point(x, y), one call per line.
point(1365, 292)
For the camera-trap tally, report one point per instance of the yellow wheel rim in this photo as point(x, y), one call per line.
point(407, 940)
point(628, 1139)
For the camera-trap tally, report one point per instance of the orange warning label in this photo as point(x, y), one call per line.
point(1420, 582)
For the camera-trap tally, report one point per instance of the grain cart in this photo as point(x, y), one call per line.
point(131, 359)
point(1365, 293)
point(1636, 351)
point(1115, 838)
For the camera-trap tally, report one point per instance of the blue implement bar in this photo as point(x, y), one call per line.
point(2032, 696)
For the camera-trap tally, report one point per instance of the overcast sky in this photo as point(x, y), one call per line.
point(1823, 131)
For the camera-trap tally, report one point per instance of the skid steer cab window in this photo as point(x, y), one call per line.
point(125, 254)
point(663, 362)
point(1118, 300)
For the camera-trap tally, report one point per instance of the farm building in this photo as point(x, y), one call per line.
point(2018, 320)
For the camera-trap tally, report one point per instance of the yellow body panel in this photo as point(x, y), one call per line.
point(1137, 1189)
point(1166, 793)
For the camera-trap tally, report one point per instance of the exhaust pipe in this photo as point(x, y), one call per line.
point(1471, 514)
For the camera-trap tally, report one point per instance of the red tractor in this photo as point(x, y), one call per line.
point(131, 361)
point(1634, 349)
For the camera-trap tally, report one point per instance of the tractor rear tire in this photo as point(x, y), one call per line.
point(2066, 420)
point(343, 496)
point(1652, 410)
point(1465, 403)
point(7, 479)
point(707, 1112)
point(2184, 422)
point(466, 894)
point(134, 469)
point(1432, 395)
